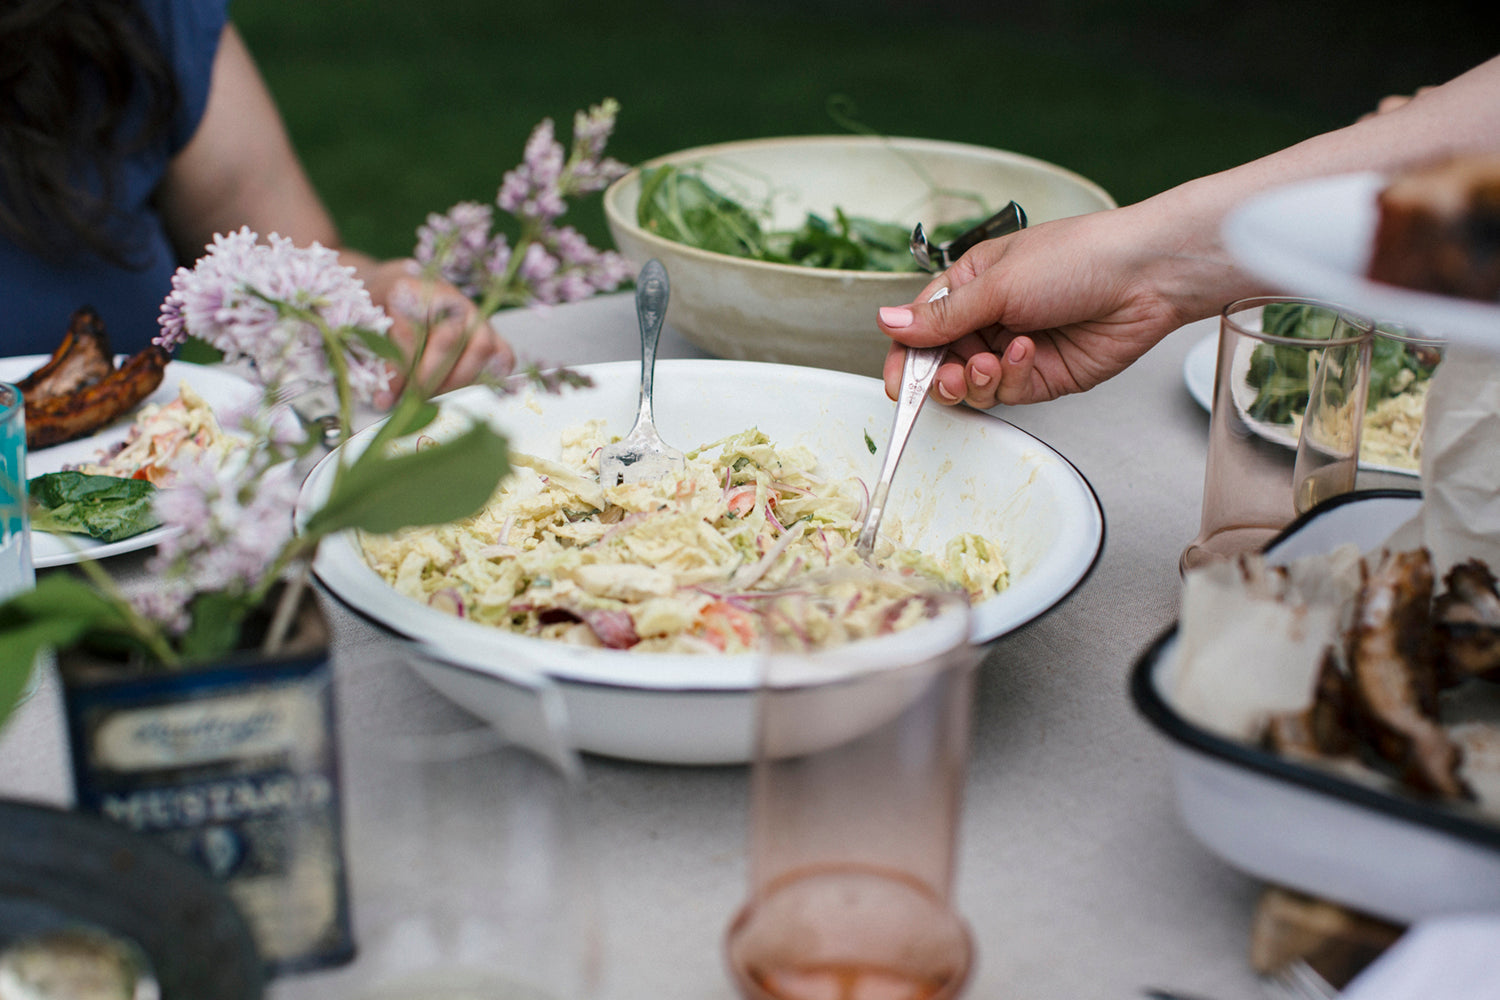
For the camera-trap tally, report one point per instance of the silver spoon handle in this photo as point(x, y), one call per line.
point(917, 372)
point(651, 293)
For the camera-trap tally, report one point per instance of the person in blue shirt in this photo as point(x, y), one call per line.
point(131, 133)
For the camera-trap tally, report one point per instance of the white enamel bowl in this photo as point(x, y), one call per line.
point(1394, 856)
point(961, 471)
point(750, 310)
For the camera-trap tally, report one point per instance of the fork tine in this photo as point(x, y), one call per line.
point(642, 454)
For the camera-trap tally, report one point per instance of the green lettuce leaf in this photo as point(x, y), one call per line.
point(106, 508)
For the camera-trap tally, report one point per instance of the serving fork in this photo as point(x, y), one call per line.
point(642, 455)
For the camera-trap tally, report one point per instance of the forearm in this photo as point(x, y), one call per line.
point(1191, 266)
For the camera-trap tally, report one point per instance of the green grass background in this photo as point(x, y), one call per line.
point(399, 108)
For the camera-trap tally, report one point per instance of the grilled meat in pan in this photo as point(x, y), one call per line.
point(1394, 668)
point(1327, 727)
point(1466, 618)
point(1376, 696)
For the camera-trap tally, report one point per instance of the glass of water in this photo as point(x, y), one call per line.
point(16, 573)
point(15, 537)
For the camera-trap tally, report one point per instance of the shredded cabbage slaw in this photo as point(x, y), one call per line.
point(701, 562)
point(160, 435)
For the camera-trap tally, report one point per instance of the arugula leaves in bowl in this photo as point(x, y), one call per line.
point(676, 203)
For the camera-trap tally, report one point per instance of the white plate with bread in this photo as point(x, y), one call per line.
point(1317, 238)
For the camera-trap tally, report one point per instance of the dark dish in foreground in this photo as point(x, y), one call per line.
point(62, 870)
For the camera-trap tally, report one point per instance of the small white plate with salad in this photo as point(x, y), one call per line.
point(1390, 435)
point(219, 389)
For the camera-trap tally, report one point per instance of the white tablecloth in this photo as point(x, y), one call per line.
point(1075, 873)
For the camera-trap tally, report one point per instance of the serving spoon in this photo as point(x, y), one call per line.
point(921, 364)
point(917, 373)
point(940, 256)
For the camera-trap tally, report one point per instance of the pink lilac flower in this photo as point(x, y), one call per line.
point(458, 244)
point(537, 265)
point(533, 189)
point(233, 520)
point(556, 263)
point(591, 169)
point(265, 302)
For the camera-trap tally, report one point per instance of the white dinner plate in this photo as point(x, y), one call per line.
point(1198, 374)
point(218, 388)
point(961, 471)
point(1315, 238)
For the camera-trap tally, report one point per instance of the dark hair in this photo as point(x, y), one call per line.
point(70, 73)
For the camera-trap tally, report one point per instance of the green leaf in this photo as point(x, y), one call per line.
point(107, 508)
point(412, 415)
point(381, 345)
point(680, 206)
point(382, 492)
point(817, 244)
point(57, 613)
point(216, 621)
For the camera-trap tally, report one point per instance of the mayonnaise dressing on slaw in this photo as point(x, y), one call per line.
point(684, 564)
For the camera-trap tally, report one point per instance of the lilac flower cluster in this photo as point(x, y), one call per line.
point(548, 263)
point(233, 520)
point(295, 313)
point(277, 305)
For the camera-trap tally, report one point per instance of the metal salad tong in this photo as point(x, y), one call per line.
point(940, 256)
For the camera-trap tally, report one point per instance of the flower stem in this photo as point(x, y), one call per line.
point(286, 611)
point(140, 627)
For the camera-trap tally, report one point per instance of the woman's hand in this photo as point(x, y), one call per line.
point(459, 345)
point(1038, 314)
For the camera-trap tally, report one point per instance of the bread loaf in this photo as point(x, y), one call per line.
point(1438, 228)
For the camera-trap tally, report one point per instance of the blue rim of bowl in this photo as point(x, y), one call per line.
point(612, 195)
point(1442, 817)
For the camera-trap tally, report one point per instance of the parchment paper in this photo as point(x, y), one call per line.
point(1460, 515)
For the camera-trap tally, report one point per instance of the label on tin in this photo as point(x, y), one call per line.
point(242, 777)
